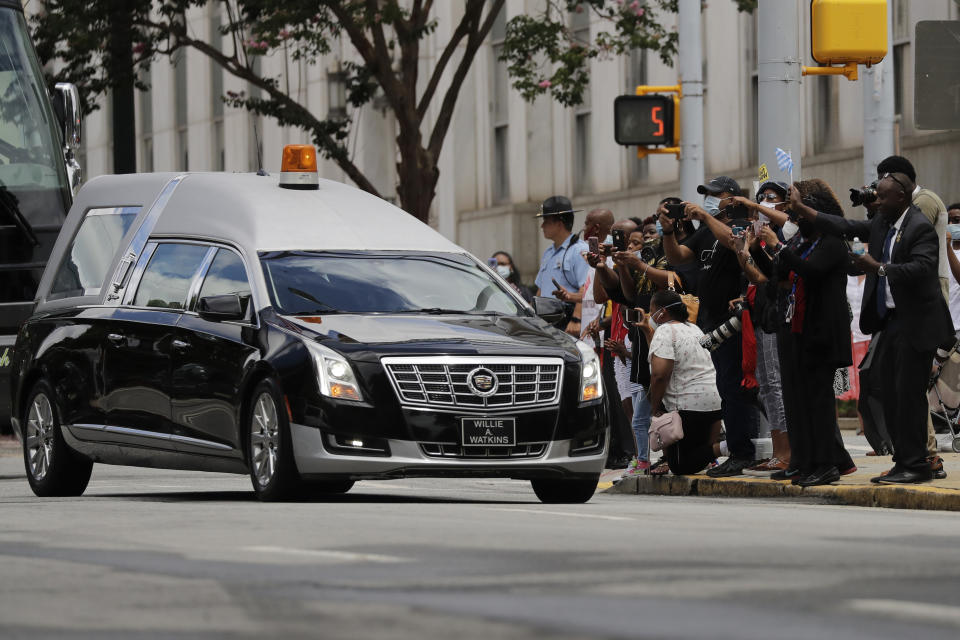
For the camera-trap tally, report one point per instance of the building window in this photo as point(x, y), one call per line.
point(582, 179)
point(336, 95)
point(753, 98)
point(499, 112)
point(826, 113)
point(637, 168)
point(180, 108)
point(901, 41)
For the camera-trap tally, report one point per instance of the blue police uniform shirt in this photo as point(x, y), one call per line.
point(565, 264)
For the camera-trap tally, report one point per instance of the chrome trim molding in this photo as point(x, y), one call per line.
point(140, 433)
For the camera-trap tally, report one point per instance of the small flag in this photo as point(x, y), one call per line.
point(784, 161)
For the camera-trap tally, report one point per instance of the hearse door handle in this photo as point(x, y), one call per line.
point(115, 338)
point(179, 345)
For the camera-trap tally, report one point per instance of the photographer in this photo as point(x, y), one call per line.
point(720, 280)
point(904, 308)
point(815, 339)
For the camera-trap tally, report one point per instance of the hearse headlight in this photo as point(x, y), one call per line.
point(334, 373)
point(591, 387)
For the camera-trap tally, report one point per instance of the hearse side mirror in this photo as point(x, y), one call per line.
point(550, 309)
point(66, 104)
point(225, 307)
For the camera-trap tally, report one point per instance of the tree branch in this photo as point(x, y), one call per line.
point(445, 115)
point(463, 29)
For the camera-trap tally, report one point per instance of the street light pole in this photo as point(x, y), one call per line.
point(691, 102)
point(878, 106)
point(778, 74)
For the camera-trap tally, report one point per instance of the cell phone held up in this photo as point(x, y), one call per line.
point(593, 245)
point(675, 211)
point(619, 240)
point(631, 316)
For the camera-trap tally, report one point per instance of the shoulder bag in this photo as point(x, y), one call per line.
point(666, 429)
point(690, 301)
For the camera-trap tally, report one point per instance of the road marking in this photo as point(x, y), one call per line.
point(570, 514)
point(329, 554)
point(908, 610)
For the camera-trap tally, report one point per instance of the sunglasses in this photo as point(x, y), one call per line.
point(767, 196)
point(894, 178)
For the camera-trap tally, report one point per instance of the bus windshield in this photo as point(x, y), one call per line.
point(31, 156)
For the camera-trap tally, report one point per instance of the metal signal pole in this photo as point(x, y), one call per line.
point(878, 107)
point(691, 102)
point(780, 119)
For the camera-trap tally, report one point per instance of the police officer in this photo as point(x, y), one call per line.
point(563, 262)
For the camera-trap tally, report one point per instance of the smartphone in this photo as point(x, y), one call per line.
point(675, 210)
point(758, 226)
point(630, 315)
point(556, 284)
point(594, 245)
point(619, 240)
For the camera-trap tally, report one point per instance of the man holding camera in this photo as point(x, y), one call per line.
point(720, 281)
point(902, 304)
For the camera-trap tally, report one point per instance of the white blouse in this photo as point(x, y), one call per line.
point(693, 385)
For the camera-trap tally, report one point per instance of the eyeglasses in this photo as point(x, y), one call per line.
point(767, 196)
point(894, 178)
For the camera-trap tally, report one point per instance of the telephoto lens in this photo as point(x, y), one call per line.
point(732, 326)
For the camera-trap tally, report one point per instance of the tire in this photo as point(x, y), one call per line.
point(273, 470)
point(565, 490)
point(53, 468)
point(955, 445)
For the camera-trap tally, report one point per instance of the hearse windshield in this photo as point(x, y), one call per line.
point(321, 282)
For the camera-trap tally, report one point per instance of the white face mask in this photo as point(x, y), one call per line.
point(790, 229)
point(504, 270)
point(712, 205)
point(653, 323)
point(769, 205)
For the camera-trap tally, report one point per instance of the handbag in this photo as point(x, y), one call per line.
point(665, 430)
point(690, 301)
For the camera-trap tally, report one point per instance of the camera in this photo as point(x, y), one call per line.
point(648, 255)
point(732, 326)
point(675, 211)
point(864, 195)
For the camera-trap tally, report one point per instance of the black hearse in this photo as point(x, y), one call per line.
point(295, 329)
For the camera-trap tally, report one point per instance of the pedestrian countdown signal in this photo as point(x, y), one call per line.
point(644, 121)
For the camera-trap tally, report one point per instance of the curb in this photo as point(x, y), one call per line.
point(913, 497)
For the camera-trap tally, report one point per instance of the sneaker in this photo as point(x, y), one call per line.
point(936, 465)
point(766, 469)
point(731, 467)
point(641, 468)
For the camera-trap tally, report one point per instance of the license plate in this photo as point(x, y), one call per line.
point(489, 432)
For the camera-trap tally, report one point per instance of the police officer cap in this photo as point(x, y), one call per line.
point(555, 206)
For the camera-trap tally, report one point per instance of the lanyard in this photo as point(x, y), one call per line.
point(792, 297)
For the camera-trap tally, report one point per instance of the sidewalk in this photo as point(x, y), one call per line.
point(855, 489)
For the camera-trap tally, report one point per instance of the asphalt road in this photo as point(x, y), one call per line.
point(149, 554)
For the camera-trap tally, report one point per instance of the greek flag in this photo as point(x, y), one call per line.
point(784, 161)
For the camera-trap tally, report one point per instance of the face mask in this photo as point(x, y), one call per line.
point(769, 205)
point(712, 205)
point(790, 229)
point(653, 323)
point(608, 239)
point(504, 270)
point(660, 228)
point(954, 230)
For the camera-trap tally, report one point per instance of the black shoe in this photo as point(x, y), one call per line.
point(823, 475)
point(877, 479)
point(786, 474)
point(907, 477)
point(800, 475)
point(731, 467)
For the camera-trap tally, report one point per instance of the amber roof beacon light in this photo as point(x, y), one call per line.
point(298, 170)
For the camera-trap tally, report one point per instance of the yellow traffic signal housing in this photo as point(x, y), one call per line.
point(848, 31)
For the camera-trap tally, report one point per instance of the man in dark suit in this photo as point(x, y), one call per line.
point(903, 303)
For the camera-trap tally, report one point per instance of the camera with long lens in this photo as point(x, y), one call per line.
point(728, 329)
point(864, 195)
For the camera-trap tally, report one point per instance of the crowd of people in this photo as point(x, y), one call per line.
point(739, 316)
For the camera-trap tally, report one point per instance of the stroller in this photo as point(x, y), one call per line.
point(944, 394)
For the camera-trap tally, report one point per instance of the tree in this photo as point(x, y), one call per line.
point(542, 54)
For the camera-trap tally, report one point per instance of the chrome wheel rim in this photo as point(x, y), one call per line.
point(39, 440)
point(264, 439)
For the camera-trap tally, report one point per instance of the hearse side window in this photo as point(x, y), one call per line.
point(167, 278)
point(88, 259)
point(227, 275)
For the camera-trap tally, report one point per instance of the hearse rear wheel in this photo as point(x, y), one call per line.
point(565, 490)
point(273, 470)
point(53, 468)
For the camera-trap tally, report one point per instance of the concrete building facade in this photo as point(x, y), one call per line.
point(503, 155)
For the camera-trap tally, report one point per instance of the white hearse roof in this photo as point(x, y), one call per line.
point(257, 214)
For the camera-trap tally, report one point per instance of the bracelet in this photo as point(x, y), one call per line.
point(574, 319)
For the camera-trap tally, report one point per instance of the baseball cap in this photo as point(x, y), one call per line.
point(555, 206)
point(776, 185)
point(720, 184)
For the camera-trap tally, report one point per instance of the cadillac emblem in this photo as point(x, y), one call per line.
point(482, 382)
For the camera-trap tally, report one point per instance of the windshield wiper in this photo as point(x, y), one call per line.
point(306, 296)
point(441, 311)
point(10, 205)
